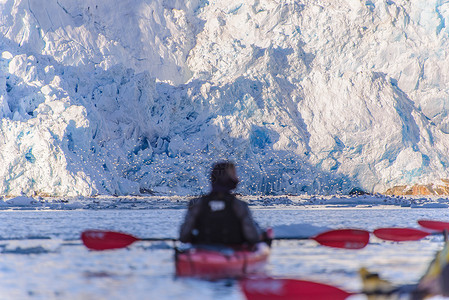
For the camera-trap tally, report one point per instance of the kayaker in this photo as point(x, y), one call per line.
point(219, 217)
point(436, 279)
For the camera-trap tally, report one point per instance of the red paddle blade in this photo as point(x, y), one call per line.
point(400, 234)
point(344, 238)
point(435, 225)
point(105, 240)
point(289, 289)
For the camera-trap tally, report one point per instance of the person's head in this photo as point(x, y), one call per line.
point(223, 177)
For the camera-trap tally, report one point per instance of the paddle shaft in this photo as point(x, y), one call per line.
point(394, 234)
point(292, 238)
point(158, 239)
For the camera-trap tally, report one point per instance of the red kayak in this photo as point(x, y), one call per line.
point(216, 262)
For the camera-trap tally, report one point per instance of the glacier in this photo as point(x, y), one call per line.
point(307, 97)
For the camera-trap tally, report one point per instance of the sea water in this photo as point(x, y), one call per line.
point(41, 256)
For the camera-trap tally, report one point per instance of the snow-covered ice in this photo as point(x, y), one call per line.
point(180, 202)
point(41, 256)
point(124, 97)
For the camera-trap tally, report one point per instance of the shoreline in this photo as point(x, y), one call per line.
point(259, 202)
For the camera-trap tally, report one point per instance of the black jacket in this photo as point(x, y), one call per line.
point(219, 218)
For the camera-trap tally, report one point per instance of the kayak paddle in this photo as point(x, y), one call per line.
point(435, 225)
point(400, 234)
point(411, 234)
point(292, 289)
point(339, 238)
point(105, 240)
point(289, 289)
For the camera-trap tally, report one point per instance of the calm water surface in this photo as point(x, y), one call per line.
point(49, 269)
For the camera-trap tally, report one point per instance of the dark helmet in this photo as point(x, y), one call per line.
point(223, 177)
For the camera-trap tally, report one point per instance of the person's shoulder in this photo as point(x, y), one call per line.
point(239, 202)
point(241, 208)
point(195, 201)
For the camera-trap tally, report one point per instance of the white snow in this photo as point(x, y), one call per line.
point(118, 97)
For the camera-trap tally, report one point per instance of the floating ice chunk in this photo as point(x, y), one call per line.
point(7, 55)
point(72, 205)
point(22, 201)
point(430, 205)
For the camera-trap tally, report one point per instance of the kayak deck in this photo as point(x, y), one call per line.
point(216, 262)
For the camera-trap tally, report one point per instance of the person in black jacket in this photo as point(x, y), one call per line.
point(219, 217)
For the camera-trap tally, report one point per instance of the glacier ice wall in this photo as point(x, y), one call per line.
point(123, 97)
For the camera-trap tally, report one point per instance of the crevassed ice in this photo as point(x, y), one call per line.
point(306, 97)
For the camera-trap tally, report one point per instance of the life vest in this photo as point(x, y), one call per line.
point(217, 222)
